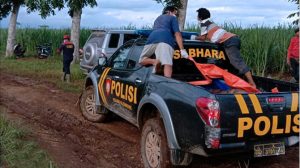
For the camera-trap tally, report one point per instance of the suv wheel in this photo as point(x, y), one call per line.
point(154, 147)
point(88, 106)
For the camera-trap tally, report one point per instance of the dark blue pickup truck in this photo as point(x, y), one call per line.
point(178, 119)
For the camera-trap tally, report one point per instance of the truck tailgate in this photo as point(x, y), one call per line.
point(247, 117)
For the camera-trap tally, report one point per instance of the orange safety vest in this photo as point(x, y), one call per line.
point(214, 33)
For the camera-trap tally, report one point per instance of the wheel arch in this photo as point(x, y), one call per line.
point(155, 102)
point(91, 79)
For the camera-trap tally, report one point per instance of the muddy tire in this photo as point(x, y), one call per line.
point(88, 106)
point(154, 146)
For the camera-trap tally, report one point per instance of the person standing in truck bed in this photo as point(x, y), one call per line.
point(161, 41)
point(213, 33)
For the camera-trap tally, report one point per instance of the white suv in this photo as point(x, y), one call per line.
point(103, 43)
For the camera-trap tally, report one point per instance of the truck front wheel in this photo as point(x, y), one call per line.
point(88, 106)
point(154, 146)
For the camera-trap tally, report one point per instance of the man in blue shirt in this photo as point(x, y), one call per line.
point(161, 42)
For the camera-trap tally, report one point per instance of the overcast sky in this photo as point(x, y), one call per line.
point(139, 13)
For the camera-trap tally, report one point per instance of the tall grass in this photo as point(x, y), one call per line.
point(30, 38)
point(16, 151)
point(263, 48)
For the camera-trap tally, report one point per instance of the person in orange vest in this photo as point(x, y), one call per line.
point(67, 47)
point(215, 34)
point(292, 58)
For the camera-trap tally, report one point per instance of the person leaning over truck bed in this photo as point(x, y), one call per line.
point(212, 32)
point(161, 42)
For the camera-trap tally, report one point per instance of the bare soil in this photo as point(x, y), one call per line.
point(71, 141)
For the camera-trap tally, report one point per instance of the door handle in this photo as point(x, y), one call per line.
point(138, 81)
point(116, 77)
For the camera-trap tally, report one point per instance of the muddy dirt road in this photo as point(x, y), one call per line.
point(72, 141)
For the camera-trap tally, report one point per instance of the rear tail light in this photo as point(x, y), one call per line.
point(209, 111)
point(276, 99)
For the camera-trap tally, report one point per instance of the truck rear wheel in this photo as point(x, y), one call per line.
point(88, 106)
point(154, 146)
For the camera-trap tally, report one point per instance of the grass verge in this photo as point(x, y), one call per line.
point(49, 70)
point(16, 151)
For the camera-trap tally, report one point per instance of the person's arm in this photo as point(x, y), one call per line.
point(201, 38)
point(60, 48)
point(202, 35)
point(178, 37)
point(177, 34)
point(179, 40)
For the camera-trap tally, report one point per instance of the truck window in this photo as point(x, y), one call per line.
point(119, 59)
point(133, 60)
point(128, 37)
point(114, 41)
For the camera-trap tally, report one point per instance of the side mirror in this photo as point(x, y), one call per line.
point(102, 61)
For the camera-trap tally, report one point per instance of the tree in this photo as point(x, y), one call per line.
point(12, 7)
point(45, 7)
point(75, 11)
point(182, 7)
point(182, 14)
point(296, 14)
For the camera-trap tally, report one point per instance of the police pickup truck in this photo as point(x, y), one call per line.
point(178, 119)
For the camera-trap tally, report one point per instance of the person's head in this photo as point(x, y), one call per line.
point(170, 10)
point(66, 38)
point(203, 14)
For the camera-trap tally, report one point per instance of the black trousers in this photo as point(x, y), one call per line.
point(295, 68)
point(66, 65)
point(232, 48)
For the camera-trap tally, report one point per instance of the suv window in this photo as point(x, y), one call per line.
point(119, 59)
point(97, 38)
point(128, 37)
point(133, 61)
point(114, 41)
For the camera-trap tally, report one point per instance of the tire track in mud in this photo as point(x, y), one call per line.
point(93, 143)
